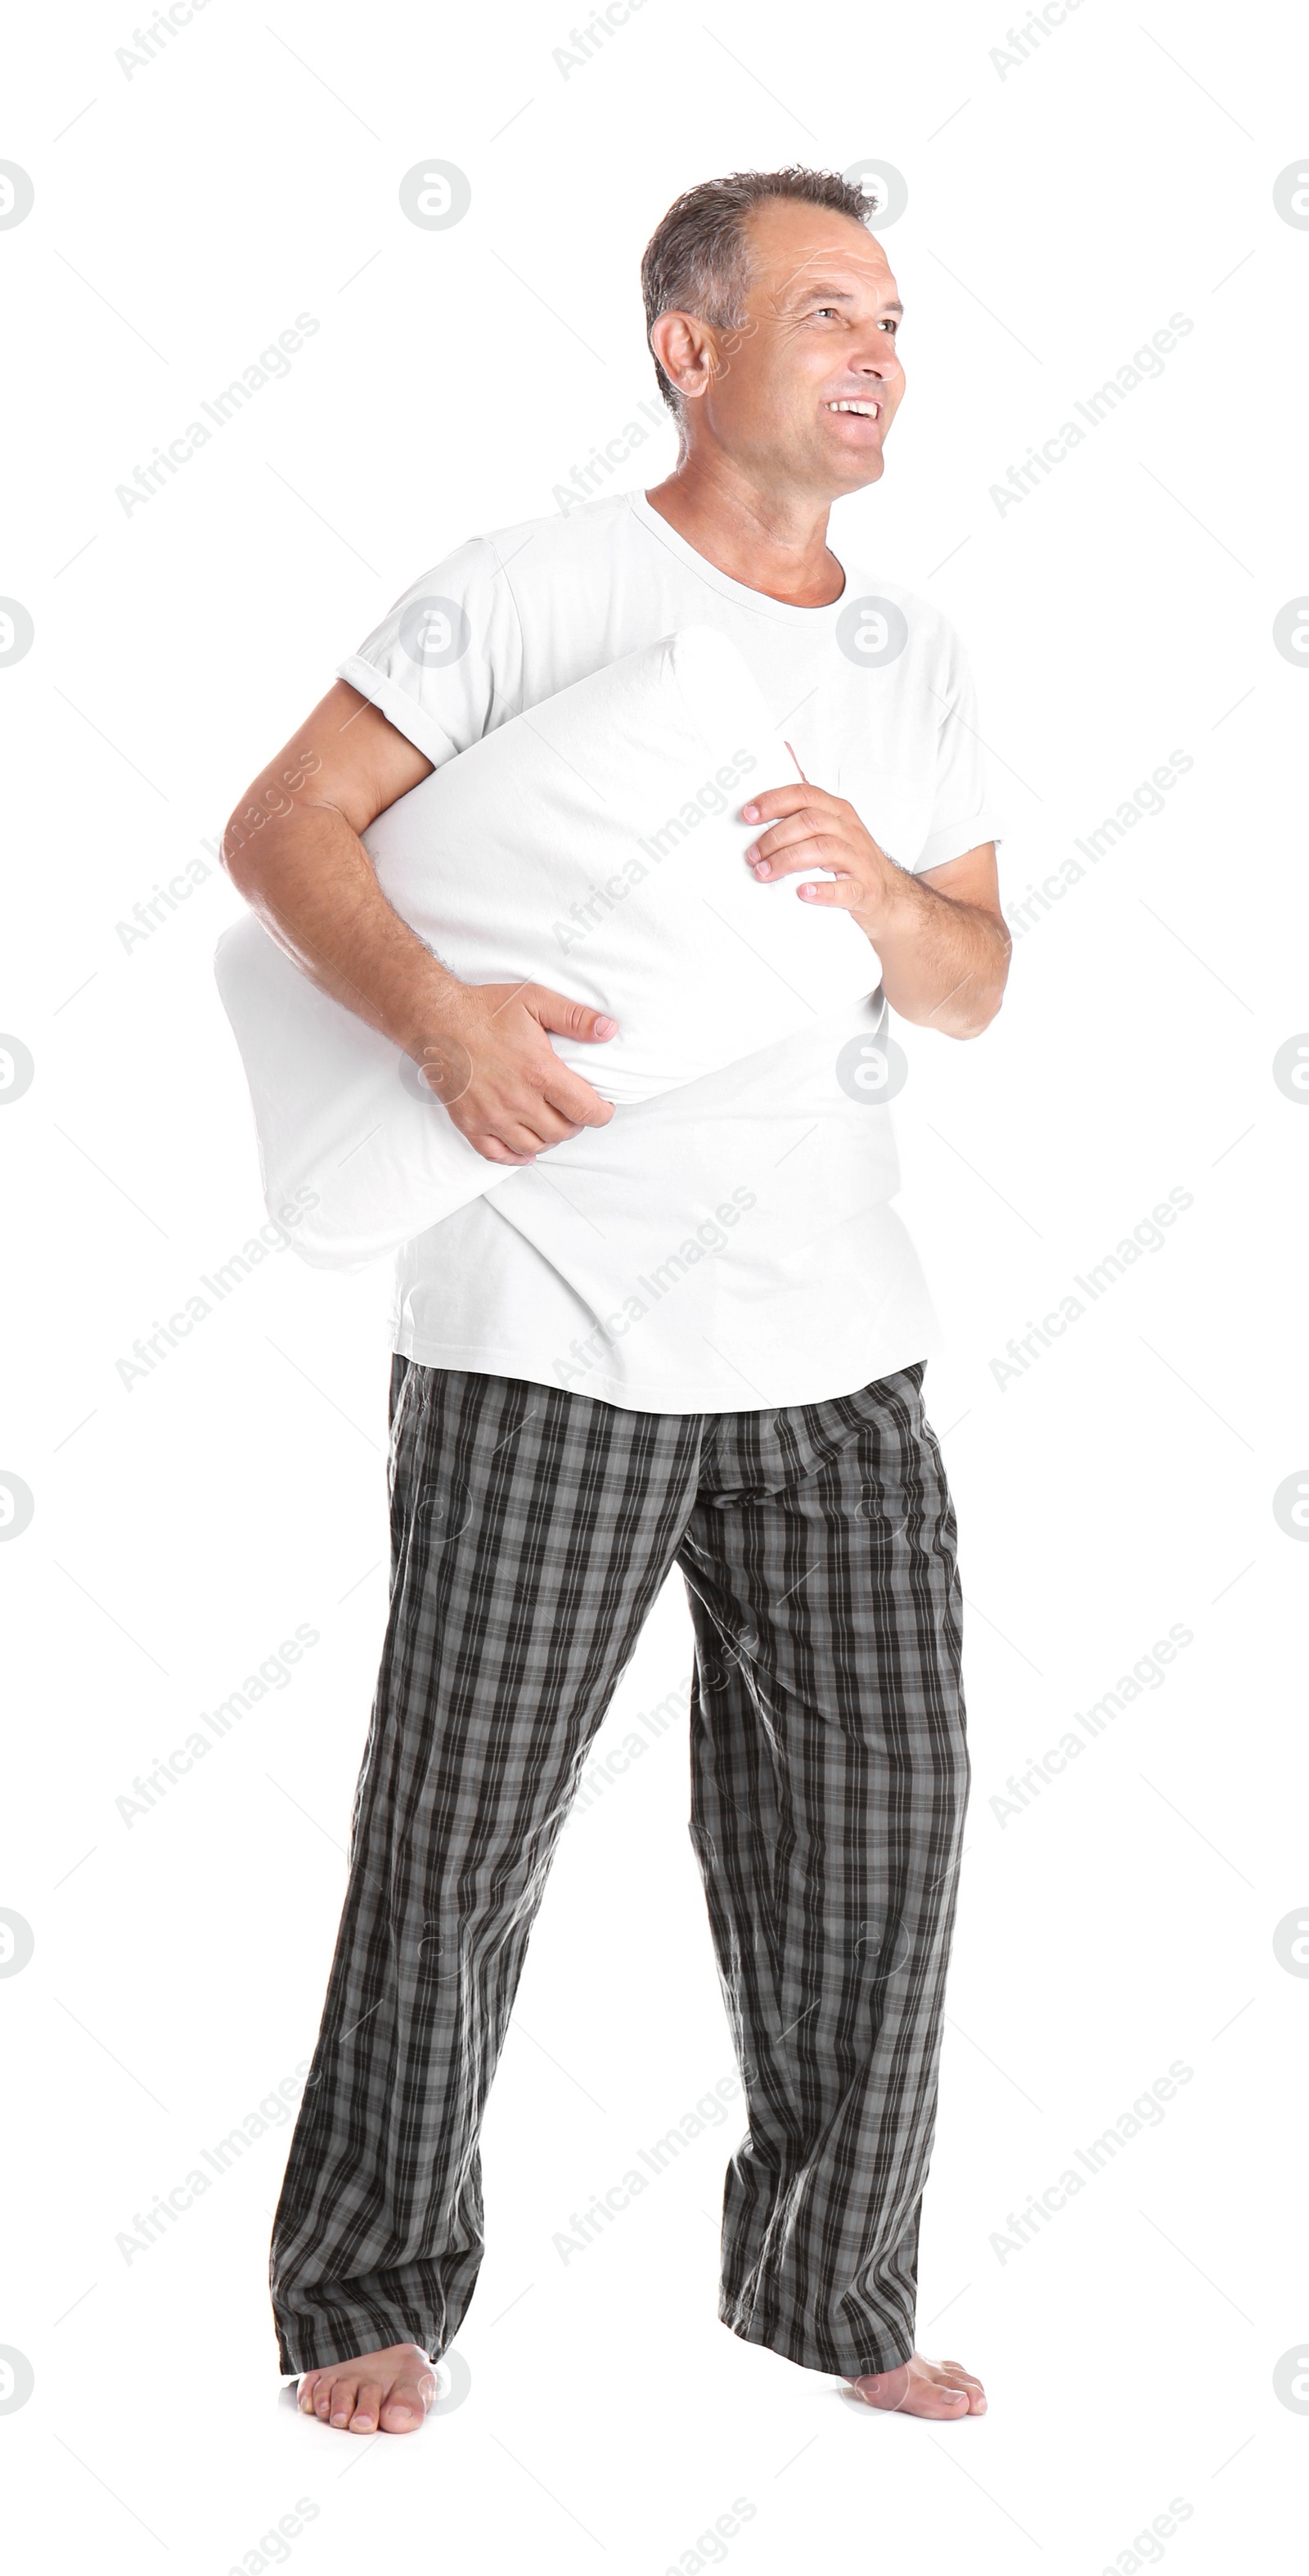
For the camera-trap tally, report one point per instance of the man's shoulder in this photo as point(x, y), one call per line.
point(498, 571)
point(562, 537)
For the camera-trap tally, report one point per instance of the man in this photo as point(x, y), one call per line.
point(757, 1420)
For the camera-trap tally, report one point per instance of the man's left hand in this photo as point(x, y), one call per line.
point(808, 828)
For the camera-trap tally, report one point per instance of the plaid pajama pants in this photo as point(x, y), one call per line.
point(531, 1530)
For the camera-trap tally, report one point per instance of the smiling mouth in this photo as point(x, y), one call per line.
point(868, 410)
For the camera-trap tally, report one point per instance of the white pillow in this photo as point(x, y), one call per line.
point(593, 844)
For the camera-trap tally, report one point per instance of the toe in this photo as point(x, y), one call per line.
point(368, 2407)
point(305, 2397)
point(934, 2388)
point(953, 2374)
point(345, 2393)
point(946, 2394)
point(947, 2384)
point(401, 2414)
point(407, 2402)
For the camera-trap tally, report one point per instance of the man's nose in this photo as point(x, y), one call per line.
point(878, 354)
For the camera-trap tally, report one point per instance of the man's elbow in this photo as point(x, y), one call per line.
point(983, 1006)
point(236, 853)
point(247, 847)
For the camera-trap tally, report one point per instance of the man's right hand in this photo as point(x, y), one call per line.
point(493, 1066)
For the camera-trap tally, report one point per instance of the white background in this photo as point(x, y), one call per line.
point(1060, 210)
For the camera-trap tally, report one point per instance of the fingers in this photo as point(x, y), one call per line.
point(518, 1132)
point(845, 889)
point(775, 801)
point(846, 893)
point(566, 1019)
point(527, 1124)
point(820, 852)
point(491, 1149)
point(529, 1134)
point(566, 1097)
point(507, 1142)
point(794, 833)
point(573, 1100)
point(801, 843)
point(528, 1120)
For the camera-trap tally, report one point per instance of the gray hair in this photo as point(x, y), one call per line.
point(697, 260)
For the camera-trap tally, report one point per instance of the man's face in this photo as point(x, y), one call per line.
point(823, 311)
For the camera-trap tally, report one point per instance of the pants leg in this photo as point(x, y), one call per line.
point(829, 1782)
point(531, 1531)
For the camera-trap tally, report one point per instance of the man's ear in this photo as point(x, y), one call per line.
point(685, 349)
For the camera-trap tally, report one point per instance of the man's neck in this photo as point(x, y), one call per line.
point(768, 542)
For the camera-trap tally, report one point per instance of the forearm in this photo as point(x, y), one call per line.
point(944, 963)
point(310, 880)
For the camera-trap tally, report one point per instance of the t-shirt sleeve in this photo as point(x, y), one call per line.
point(962, 813)
point(445, 666)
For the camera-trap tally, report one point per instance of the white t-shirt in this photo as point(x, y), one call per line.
point(730, 1245)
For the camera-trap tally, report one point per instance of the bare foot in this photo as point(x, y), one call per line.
point(386, 2391)
point(939, 2388)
